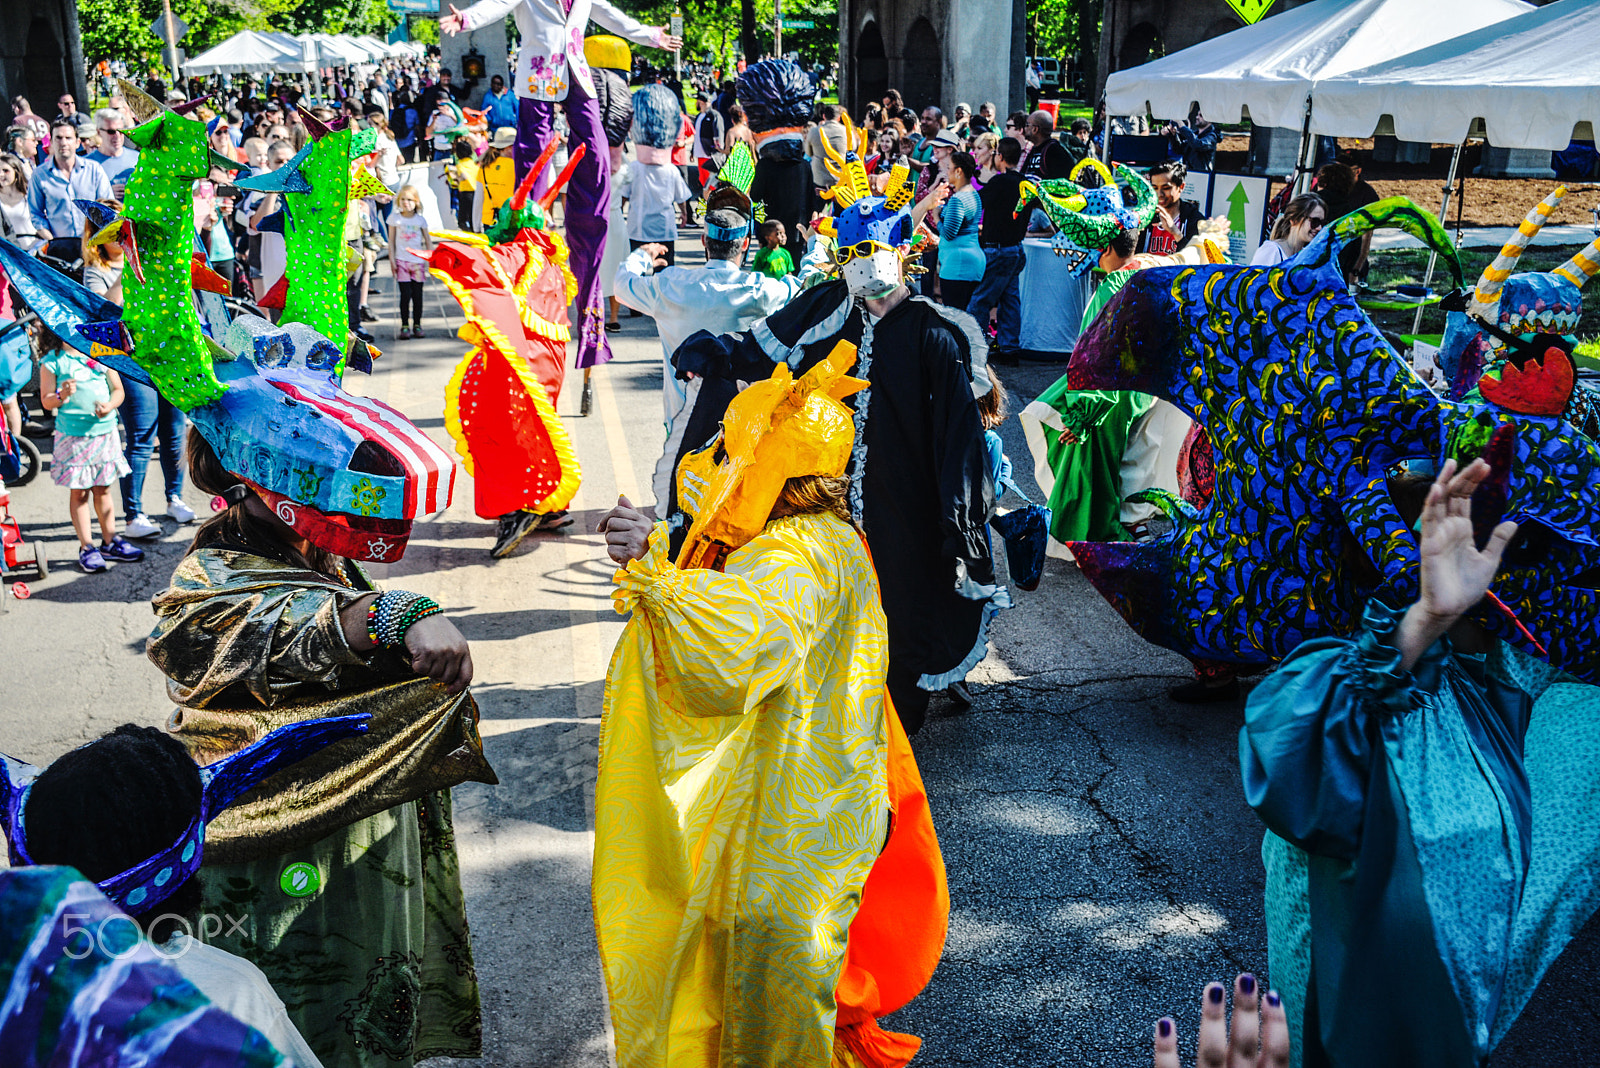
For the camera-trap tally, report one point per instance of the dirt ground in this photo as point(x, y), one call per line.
point(1488, 201)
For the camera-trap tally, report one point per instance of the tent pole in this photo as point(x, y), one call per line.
point(1444, 209)
point(1307, 153)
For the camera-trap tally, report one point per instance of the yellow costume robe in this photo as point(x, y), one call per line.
point(750, 774)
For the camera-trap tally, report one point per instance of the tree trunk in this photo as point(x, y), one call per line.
point(747, 31)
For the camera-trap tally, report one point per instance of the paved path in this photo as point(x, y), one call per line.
point(1102, 863)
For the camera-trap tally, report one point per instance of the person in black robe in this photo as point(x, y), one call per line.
point(920, 482)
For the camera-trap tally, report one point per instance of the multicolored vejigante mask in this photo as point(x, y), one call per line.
point(773, 431)
point(152, 881)
point(1513, 343)
point(514, 285)
point(1308, 411)
point(1086, 221)
point(348, 473)
point(872, 235)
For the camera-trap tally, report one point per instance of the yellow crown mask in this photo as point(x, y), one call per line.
point(773, 431)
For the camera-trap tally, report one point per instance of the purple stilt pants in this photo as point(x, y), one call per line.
point(588, 204)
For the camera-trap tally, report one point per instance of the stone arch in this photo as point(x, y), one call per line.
point(871, 67)
point(1226, 24)
point(924, 67)
point(1141, 44)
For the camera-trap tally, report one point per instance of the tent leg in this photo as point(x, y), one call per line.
point(1444, 210)
point(1307, 156)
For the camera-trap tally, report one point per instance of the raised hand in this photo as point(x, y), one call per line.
point(453, 23)
point(1455, 574)
point(1256, 1037)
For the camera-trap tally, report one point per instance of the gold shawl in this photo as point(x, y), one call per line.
point(249, 644)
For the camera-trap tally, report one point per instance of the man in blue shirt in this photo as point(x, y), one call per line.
point(56, 184)
point(499, 104)
point(115, 156)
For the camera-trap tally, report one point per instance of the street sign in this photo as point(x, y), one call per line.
point(1250, 10)
point(421, 7)
point(159, 28)
point(799, 24)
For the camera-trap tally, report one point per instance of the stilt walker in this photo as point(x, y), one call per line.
point(551, 69)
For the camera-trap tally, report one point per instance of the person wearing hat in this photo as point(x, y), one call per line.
point(219, 134)
point(497, 174)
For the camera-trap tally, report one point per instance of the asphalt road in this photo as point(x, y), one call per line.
point(1103, 865)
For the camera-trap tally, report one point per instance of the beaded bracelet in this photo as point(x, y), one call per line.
point(391, 614)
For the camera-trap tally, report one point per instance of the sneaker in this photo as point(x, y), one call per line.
point(90, 560)
point(178, 511)
point(120, 548)
point(366, 335)
point(366, 315)
point(514, 526)
point(555, 521)
point(140, 526)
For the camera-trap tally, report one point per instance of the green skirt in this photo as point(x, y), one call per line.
point(363, 934)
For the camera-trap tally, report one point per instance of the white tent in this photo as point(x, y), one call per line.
point(1530, 81)
point(249, 52)
point(1266, 70)
point(332, 52)
point(370, 53)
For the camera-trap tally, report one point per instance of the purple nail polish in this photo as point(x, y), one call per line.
point(1273, 999)
point(1164, 1025)
point(1214, 992)
point(1247, 984)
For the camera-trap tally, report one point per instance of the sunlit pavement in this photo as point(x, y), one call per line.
point(1103, 865)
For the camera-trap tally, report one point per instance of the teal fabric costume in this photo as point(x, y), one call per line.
point(1433, 841)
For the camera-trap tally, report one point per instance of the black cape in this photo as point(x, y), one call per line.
point(926, 494)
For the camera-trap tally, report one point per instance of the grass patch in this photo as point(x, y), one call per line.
point(1408, 266)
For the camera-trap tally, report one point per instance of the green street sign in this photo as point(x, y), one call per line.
point(799, 24)
point(1250, 10)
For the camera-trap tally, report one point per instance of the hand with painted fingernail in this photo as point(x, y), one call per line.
point(1256, 1037)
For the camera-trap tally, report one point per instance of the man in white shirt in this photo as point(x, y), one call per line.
point(551, 68)
point(721, 297)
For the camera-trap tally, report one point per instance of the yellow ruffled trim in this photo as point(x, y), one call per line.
point(566, 455)
point(651, 576)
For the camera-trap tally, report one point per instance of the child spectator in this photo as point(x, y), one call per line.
point(653, 191)
point(465, 170)
point(88, 457)
point(497, 175)
point(409, 230)
point(773, 260)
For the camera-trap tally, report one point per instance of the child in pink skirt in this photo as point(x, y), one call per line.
point(88, 457)
point(409, 230)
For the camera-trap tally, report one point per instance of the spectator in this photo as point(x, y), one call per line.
point(55, 187)
point(499, 105)
point(961, 260)
point(1341, 188)
point(985, 147)
point(219, 135)
point(773, 260)
point(497, 175)
point(1016, 129)
point(1047, 157)
point(739, 130)
point(21, 143)
point(22, 115)
point(932, 123)
point(1176, 220)
point(962, 120)
point(16, 221)
point(115, 156)
point(1299, 223)
point(828, 126)
point(273, 258)
point(710, 142)
point(1000, 236)
point(68, 109)
point(653, 191)
point(1196, 140)
point(983, 122)
point(1077, 142)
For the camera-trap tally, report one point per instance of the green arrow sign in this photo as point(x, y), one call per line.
point(1250, 10)
point(799, 24)
point(1236, 205)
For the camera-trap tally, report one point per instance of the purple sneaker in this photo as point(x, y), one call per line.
point(119, 548)
point(90, 560)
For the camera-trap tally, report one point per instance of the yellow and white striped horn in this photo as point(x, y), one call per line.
point(1486, 296)
point(898, 190)
point(1583, 266)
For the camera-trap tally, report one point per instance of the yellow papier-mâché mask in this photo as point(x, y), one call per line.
point(773, 431)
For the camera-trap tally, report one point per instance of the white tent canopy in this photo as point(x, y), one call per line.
point(1267, 69)
point(1531, 81)
point(369, 52)
point(249, 52)
point(332, 52)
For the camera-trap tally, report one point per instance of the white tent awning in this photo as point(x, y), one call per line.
point(332, 52)
point(1266, 70)
point(249, 52)
point(1531, 81)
